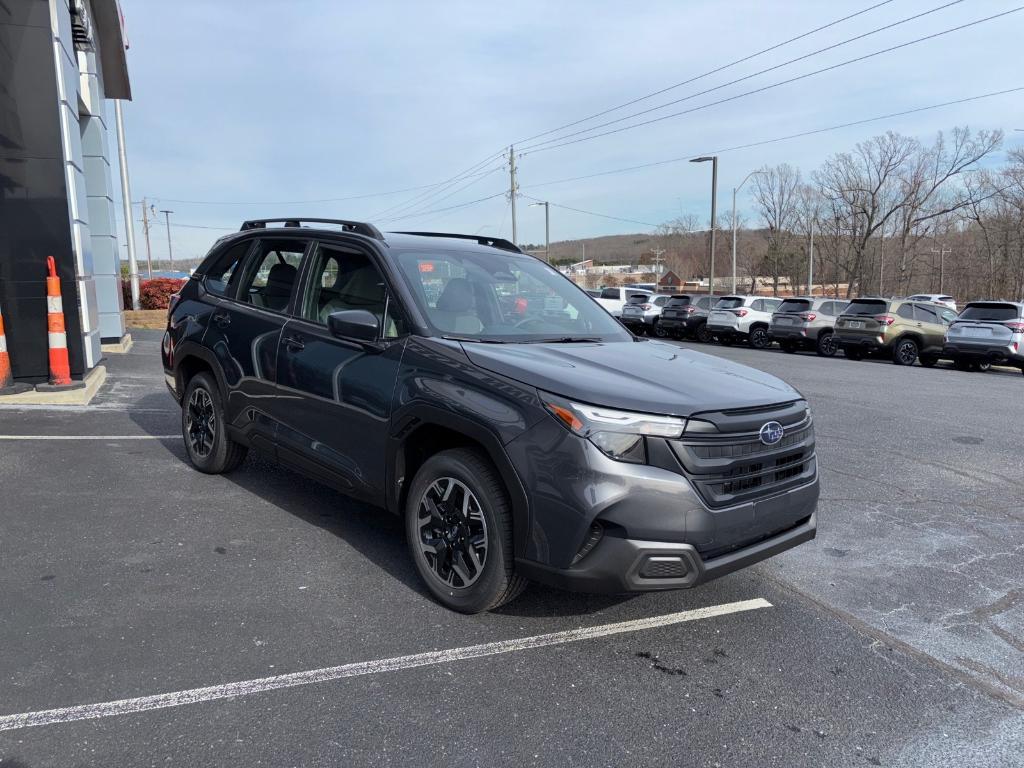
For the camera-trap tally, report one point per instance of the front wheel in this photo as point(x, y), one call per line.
point(458, 523)
point(759, 338)
point(203, 426)
point(826, 346)
point(905, 352)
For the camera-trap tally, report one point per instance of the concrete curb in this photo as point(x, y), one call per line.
point(119, 347)
point(81, 396)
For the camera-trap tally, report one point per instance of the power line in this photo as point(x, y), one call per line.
point(416, 209)
point(687, 157)
point(772, 68)
point(780, 83)
point(706, 74)
point(593, 213)
point(449, 208)
point(437, 188)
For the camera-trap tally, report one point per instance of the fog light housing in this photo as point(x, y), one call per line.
point(594, 536)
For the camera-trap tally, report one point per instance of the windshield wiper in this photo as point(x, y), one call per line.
point(565, 340)
point(475, 339)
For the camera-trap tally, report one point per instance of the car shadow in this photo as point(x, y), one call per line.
point(373, 531)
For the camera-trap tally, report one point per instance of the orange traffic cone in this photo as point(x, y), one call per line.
point(60, 368)
point(7, 385)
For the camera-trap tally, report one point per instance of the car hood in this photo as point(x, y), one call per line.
point(648, 376)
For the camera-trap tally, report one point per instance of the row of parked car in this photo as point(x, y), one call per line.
point(917, 329)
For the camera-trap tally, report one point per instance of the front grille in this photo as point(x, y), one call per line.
point(734, 466)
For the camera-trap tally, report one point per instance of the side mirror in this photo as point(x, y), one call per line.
point(355, 324)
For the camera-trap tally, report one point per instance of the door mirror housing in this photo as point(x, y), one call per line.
point(355, 324)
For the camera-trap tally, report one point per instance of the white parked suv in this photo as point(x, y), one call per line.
point(613, 299)
point(743, 318)
point(938, 298)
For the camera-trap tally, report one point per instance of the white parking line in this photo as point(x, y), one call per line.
point(90, 437)
point(249, 687)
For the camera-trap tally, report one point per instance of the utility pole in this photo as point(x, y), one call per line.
point(167, 220)
point(657, 262)
point(547, 229)
point(126, 204)
point(145, 230)
point(810, 265)
point(942, 251)
point(513, 190)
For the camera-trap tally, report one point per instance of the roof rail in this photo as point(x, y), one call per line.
point(359, 227)
point(494, 242)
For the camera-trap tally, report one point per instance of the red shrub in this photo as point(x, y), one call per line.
point(156, 293)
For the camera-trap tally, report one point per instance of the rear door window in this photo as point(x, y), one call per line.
point(795, 305)
point(758, 305)
point(866, 307)
point(771, 305)
point(926, 314)
point(272, 272)
point(706, 302)
point(660, 301)
point(991, 312)
point(827, 308)
point(610, 293)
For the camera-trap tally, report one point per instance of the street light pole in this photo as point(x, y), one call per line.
point(547, 229)
point(126, 202)
point(714, 213)
point(734, 191)
point(167, 221)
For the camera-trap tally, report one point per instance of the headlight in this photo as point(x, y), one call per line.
point(617, 434)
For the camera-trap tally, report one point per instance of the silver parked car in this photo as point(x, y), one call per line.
point(743, 318)
point(642, 314)
point(986, 332)
point(804, 322)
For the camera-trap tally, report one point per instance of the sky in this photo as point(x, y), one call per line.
point(268, 109)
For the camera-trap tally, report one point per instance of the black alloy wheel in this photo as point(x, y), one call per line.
point(826, 345)
point(702, 334)
point(759, 338)
point(905, 352)
point(452, 532)
point(207, 443)
point(458, 524)
point(660, 332)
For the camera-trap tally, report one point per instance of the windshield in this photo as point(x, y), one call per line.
point(858, 307)
point(991, 312)
point(794, 305)
point(502, 297)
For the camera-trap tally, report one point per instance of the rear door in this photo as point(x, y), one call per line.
point(932, 325)
point(245, 326)
point(335, 392)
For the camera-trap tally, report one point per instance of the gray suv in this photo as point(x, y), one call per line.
point(987, 332)
point(517, 429)
point(806, 323)
point(686, 315)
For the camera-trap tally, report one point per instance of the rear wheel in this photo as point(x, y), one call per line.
point(826, 345)
point(905, 352)
point(703, 335)
point(853, 354)
point(660, 332)
point(458, 522)
point(981, 366)
point(203, 426)
point(759, 338)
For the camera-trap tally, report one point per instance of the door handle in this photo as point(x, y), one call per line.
point(222, 319)
point(294, 343)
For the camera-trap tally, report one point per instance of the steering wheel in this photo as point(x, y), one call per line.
point(527, 320)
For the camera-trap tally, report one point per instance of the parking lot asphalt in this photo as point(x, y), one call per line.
point(895, 638)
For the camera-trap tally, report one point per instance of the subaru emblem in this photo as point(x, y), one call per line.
point(771, 433)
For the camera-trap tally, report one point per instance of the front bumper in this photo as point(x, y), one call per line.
point(620, 565)
point(643, 511)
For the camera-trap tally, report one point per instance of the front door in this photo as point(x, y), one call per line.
point(335, 394)
point(245, 327)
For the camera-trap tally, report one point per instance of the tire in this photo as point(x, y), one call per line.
point(725, 341)
point(826, 345)
point(203, 428)
point(789, 346)
point(905, 352)
point(467, 583)
point(759, 338)
point(981, 366)
point(961, 364)
point(853, 354)
point(702, 334)
point(928, 361)
point(658, 331)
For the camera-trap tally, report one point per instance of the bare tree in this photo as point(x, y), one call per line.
point(776, 197)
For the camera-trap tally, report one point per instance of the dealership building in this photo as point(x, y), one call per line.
point(60, 62)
